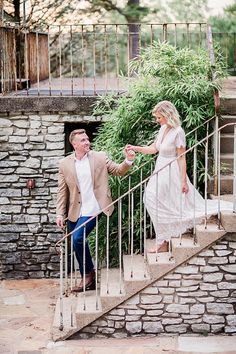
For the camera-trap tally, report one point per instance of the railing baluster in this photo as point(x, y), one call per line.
point(49, 64)
point(120, 242)
point(60, 61)
point(66, 265)
point(157, 213)
point(83, 66)
point(216, 148)
point(132, 234)
point(181, 200)
point(37, 60)
point(129, 213)
point(14, 62)
point(71, 61)
point(96, 263)
point(164, 32)
point(108, 259)
point(117, 61)
point(105, 56)
point(227, 50)
point(151, 225)
point(175, 35)
point(188, 35)
point(94, 59)
point(26, 62)
point(141, 211)
point(61, 289)
point(151, 29)
point(206, 175)
point(145, 230)
point(195, 187)
point(219, 184)
point(71, 262)
point(234, 183)
point(84, 267)
point(200, 34)
point(128, 51)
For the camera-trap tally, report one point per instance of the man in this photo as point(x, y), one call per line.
point(83, 190)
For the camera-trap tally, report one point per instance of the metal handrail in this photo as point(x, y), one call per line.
point(143, 182)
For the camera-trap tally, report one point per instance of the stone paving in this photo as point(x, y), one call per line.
point(26, 312)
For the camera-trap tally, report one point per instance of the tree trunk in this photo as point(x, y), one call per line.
point(133, 32)
point(16, 4)
point(1, 12)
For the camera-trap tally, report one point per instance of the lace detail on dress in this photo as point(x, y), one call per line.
point(165, 231)
point(180, 140)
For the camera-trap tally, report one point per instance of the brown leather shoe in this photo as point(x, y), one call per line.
point(89, 283)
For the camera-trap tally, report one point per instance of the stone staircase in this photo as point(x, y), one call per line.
point(228, 115)
point(138, 273)
point(81, 310)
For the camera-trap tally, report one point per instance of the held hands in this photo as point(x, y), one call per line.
point(129, 152)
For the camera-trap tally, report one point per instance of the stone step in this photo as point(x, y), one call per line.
point(228, 161)
point(225, 119)
point(183, 248)
point(227, 143)
point(226, 185)
point(112, 283)
point(135, 268)
point(228, 221)
point(69, 319)
point(225, 197)
point(158, 263)
point(88, 308)
point(228, 105)
point(136, 274)
point(207, 236)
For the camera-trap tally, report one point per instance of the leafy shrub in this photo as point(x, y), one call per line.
point(162, 72)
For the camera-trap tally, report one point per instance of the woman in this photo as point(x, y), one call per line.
point(169, 196)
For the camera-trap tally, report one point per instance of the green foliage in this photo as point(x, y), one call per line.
point(163, 72)
point(224, 32)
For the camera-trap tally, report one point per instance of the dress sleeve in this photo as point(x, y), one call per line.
point(180, 140)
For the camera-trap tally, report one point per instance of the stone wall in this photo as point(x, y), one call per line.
point(198, 297)
point(31, 147)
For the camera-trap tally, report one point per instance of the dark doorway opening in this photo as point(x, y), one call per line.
point(91, 130)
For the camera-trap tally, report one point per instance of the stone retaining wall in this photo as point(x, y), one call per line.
point(198, 297)
point(31, 147)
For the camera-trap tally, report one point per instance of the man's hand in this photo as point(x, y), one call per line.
point(59, 221)
point(129, 153)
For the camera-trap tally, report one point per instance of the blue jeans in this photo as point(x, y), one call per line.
point(78, 242)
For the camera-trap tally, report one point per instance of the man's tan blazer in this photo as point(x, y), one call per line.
point(69, 197)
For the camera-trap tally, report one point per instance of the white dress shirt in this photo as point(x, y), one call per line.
point(89, 203)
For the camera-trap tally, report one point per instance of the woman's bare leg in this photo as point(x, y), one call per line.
point(162, 247)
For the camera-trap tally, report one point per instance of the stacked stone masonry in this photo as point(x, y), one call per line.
point(198, 297)
point(31, 147)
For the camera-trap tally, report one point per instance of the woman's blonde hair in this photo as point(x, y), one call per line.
point(168, 110)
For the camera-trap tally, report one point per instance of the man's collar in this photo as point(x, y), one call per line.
point(84, 157)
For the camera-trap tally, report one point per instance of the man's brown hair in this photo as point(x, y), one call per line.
point(74, 133)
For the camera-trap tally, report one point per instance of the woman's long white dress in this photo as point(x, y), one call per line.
point(171, 211)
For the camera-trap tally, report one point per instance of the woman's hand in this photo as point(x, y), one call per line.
point(129, 147)
point(185, 187)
